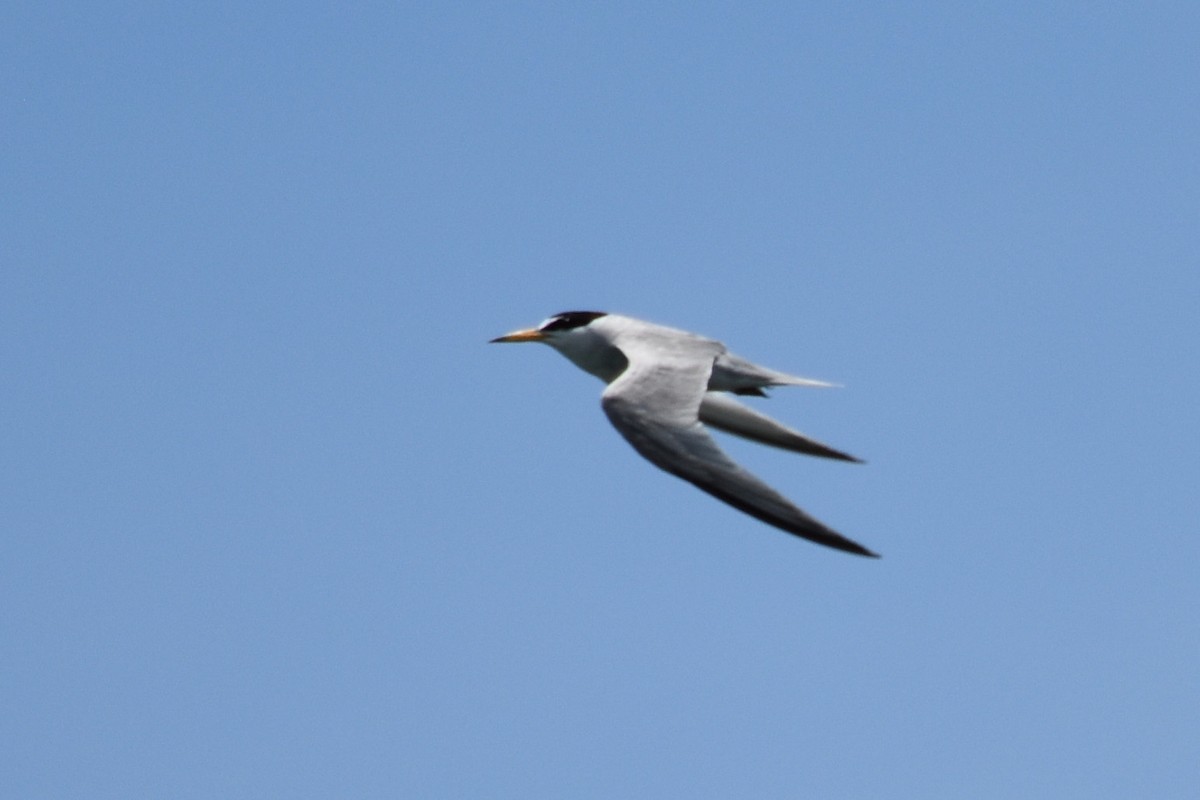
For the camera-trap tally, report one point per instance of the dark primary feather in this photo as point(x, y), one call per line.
point(675, 450)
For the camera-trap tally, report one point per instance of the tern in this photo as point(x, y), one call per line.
point(665, 385)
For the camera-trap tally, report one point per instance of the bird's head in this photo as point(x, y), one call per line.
point(576, 336)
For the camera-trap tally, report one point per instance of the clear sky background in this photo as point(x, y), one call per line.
point(277, 522)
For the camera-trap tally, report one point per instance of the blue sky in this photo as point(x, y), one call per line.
point(278, 522)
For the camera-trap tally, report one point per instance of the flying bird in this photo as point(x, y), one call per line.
point(666, 385)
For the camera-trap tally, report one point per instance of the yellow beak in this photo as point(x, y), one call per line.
point(529, 335)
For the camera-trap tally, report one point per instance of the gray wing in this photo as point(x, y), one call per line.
point(723, 412)
point(655, 405)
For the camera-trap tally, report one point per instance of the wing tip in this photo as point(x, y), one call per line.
point(854, 548)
